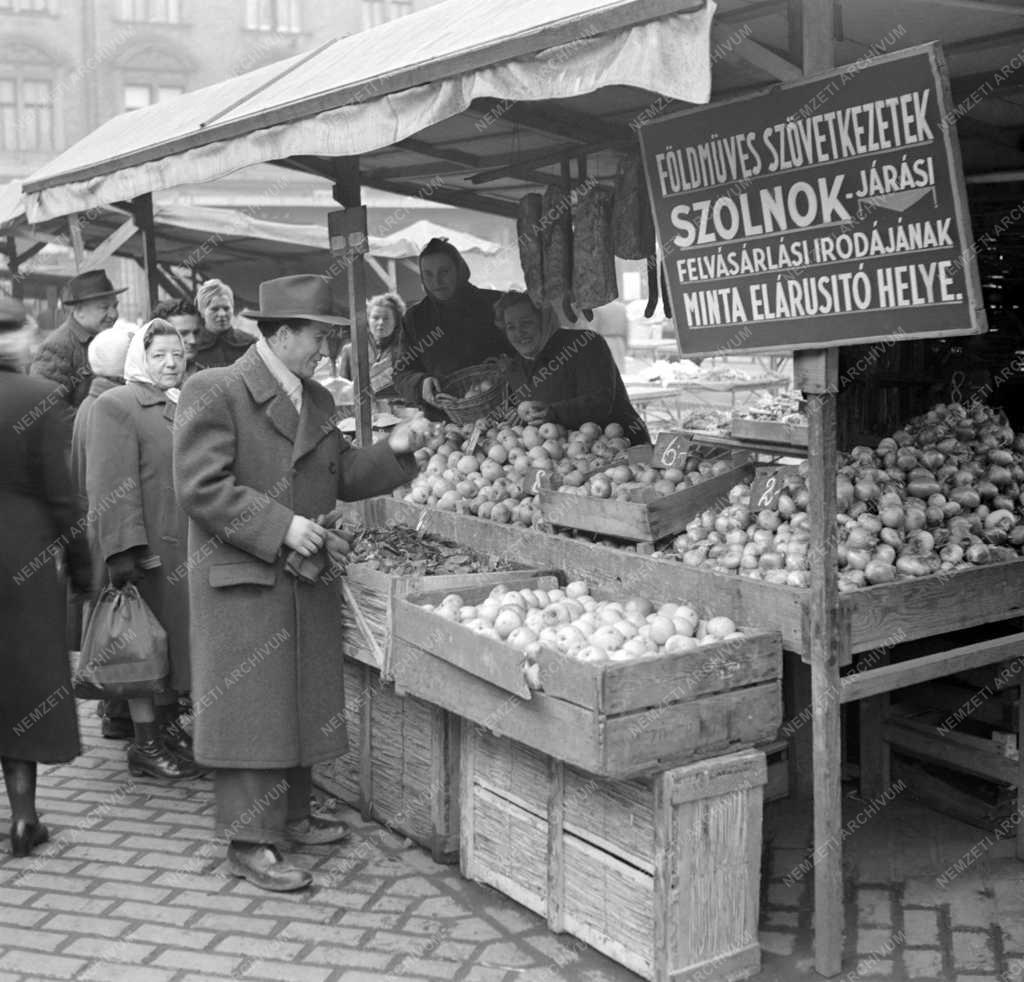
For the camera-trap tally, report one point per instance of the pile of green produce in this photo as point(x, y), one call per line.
point(943, 494)
point(402, 551)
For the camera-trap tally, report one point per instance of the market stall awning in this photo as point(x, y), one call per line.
point(215, 241)
point(375, 90)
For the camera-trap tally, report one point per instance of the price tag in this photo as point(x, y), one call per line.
point(768, 486)
point(535, 480)
point(670, 449)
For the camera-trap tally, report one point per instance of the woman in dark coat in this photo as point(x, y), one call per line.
point(141, 533)
point(567, 377)
point(452, 327)
point(38, 722)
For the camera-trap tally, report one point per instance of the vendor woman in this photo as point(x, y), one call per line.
point(452, 327)
point(566, 376)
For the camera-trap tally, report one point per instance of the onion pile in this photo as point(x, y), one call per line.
point(943, 494)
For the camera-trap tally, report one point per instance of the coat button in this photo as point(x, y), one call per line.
point(332, 467)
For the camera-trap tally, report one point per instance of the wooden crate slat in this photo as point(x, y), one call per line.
point(716, 724)
point(769, 431)
point(915, 670)
point(609, 904)
point(551, 725)
point(459, 646)
point(930, 605)
point(713, 668)
point(639, 521)
point(966, 753)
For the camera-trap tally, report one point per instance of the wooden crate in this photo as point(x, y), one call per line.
point(616, 719)
point(769, 431)
point(637, 520)
point(367, 595)
point(402, 766)
point(661, 875)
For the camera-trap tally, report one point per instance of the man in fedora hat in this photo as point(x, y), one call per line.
point(258, 460)
point(91, 301)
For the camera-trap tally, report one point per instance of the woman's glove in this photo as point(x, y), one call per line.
point(123, 568)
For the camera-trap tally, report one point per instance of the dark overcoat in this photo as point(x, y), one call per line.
point(40, 520)
point(63, 357)
point(130, 483)
point(83, 421)
point(220, 350)
point(266, 648)
point(575, 374)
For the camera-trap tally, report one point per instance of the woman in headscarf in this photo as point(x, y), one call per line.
point(140, 530)
point(219, 343)
point(38, 721)
point(563, 376)
point(452, 327)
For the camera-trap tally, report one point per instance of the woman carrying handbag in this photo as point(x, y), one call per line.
point(42, 525)
point(140, 532)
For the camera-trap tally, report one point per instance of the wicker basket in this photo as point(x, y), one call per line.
point(469, 410)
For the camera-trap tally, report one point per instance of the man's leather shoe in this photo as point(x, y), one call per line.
point(316, 830)
point(263, 866)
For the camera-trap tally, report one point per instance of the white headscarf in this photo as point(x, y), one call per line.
point(107, 352)
point(135, 367)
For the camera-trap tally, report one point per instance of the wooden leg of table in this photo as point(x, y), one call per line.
point(797, 727)
point(1020, 771)
point(875, 755)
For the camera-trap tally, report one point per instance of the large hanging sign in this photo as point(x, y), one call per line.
point(825, 212)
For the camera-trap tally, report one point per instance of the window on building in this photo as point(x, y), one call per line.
point(138, 95)
point(380, 11)
point(27, 6)
point(150, 11)
point(26, 113)
point(281, 16)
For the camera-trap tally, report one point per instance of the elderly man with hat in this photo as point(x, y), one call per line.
point(258, 462)
point(91, 300)
point(452, 327)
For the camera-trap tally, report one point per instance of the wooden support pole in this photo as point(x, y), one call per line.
point(142, 210)
point(812, 29)
point(347, 192)
point(17, 287)
point(77, 246)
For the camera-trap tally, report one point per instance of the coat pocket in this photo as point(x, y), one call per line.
point(246, 573)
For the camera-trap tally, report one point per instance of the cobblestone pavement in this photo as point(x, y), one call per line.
point(129, 890)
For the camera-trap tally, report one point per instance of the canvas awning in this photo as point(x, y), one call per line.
point(405, 82)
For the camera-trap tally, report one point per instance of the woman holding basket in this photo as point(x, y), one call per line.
point(451, 328)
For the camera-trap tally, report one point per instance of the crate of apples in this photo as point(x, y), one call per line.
point(576, 674)
point(487, 475)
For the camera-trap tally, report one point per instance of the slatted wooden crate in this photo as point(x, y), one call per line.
point(769, 431)
point(402, 766)
point(367, 595)
point(640, 521)
point(616, 719)
point(662, 875)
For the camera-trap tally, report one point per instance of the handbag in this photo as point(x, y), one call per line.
point(124, 648)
